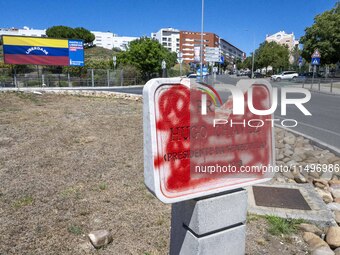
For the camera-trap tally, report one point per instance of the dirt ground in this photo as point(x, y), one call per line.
point(70, 165)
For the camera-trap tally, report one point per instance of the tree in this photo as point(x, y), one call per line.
point(60, 32)
point(272, 54)
point(72, 33)
point(323, 35)
point(147, 54)
point(246, 64)
point(84, 34)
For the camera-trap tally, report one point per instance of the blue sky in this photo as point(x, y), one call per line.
point(239, 22)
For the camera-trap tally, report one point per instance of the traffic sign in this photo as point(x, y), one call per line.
point(316, 54)
point(316, 61)
point(222, 60)
point(300, 60)
point(212, 54)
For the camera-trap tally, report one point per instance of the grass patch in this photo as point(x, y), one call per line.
point(74, 191)
point(74, 229)
point(29, 96)
point(280, 226)
point(103, 186)
point(24, 201)
point(252, 217)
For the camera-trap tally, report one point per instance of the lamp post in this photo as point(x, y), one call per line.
point(180, 61)
point(164, 68)
point(202, 23)
point(253, 56)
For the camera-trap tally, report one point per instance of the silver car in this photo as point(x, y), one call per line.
point(286, 75)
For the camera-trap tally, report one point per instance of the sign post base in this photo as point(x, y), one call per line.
point(210, 225)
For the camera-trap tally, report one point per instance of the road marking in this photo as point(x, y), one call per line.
point(318, 128)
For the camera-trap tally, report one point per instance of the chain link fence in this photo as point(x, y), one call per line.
point(45, 77)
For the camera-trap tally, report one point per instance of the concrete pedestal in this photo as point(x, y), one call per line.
point(211, 225)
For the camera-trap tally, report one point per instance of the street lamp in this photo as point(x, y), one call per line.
point(253, 57)
point(202, 23)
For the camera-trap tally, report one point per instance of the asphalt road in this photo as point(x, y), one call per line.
point(324, 124)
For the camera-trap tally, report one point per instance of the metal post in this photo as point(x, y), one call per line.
point(253, 58)
point(319, 83)
point(331, 85)
point(59, 79)
point(121, 78)
point(92, 77)
point(43, 80)
point(15, 77)
point(108, 77)
point(202, 28)
point(311, 87)
point(69, 79)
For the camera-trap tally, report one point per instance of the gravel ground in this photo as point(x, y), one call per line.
point(70, 165)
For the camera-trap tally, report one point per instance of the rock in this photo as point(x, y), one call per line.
point(320, 183)
point(327, 175)
point(333, 159)
point(333, 237)
point(336, 200)
point(286, 160)
point(313, 241)
point(334, 183)
point(279, 145)
point(289, 139)
point(288, 175)
point(325, 195)
point(323, 161)
point(309, 153)
point(333, 206)
point(336, 193)
point(288, 152)
point(280, 156)
point(291, 181)
point(299, 178)
point(100, 238)
point(297, 158)
point(337, 216)
point(314, 174)
point(310, 228)
point(337, 251)
point(322, 251)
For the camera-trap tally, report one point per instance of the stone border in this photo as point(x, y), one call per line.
point(313, 141)
point(81, 91)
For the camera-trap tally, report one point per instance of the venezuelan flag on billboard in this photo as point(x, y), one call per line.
point(22, 50)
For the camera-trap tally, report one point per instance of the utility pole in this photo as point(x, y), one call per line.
point(201, 74)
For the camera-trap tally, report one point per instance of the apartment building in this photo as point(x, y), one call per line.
point(122, 42)
point(168, 37)
point(25, 31)
point(283, 38)
point(103, 39)
point(191, 41)
point(231, 52)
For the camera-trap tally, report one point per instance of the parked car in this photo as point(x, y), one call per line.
point(303, 77)
point(256, 75)
point(310, 75)
point(192, 75)
point(286, 75)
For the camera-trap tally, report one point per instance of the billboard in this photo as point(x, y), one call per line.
point(22, 50)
